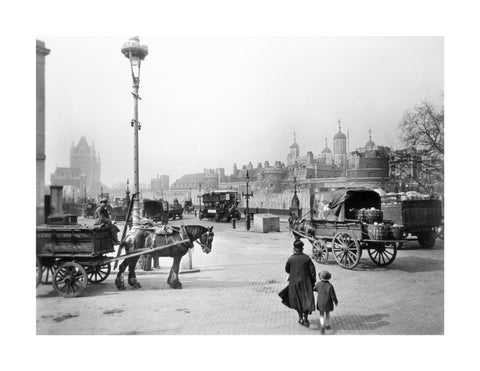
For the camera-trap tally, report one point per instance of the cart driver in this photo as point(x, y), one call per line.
point(102, 218)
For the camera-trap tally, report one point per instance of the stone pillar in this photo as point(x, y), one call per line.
point(56, 199)
point(40, 175)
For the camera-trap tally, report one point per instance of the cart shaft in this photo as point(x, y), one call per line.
point(143, 252)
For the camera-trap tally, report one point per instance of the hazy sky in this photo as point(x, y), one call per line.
point(212, 102)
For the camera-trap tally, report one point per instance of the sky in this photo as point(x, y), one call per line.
point(212, 102)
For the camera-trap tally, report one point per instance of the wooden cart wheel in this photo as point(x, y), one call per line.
point(70, 279)
point(98, 273)
point(39, 271)
point(346, 250)
point(383, 254)
point(426, 240)
point(320, 251)
point(47, 273)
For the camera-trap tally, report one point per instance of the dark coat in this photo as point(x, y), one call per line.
point(326, 296)
point(102, 216)
point(301, 280)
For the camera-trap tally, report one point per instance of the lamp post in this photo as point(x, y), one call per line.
point(135, 53)
point(247, 196)
point(85, 202)
point(199, 199)
point(127, 195)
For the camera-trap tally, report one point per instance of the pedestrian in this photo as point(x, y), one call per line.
point(102, 219)
point(325, 299)
point(298, 294)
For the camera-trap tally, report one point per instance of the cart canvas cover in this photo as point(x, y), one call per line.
point(343, 200)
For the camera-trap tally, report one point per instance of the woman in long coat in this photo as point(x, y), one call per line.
point(301, 281)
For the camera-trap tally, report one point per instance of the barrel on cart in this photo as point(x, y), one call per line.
point(72, 254)
point(353, 223)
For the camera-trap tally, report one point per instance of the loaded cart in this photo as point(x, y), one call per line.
point(419, 218)
point(353, 222)
point(76, 254)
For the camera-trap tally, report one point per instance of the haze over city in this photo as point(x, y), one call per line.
point(213, 102)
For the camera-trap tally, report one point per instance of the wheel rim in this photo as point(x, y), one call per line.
point(47, 273)
point(320, 251)
point(98, 273)
point(426, 240)
point(383, 255)
point(346, 250)
point(70, 279)
point(39, 271)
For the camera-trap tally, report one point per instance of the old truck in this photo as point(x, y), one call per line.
point(418, 217)
point(161, 210)
point(220, 205)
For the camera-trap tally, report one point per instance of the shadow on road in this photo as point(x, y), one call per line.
point(405, 264)
point(413, 264)
point(356, 322)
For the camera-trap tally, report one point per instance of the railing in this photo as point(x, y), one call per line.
point(259, 210)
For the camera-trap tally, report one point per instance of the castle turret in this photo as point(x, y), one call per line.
point(294, 151)
point(340, 149)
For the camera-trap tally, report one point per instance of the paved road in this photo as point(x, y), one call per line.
point(235, 292)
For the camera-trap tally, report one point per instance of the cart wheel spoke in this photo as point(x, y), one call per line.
point(70, 279)
point(39, 271)
point(320, 251)
point(346, 250)
point(98, 273)
point(383, 255)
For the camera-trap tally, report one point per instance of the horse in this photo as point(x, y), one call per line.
point(301, 225)
point(144, 238)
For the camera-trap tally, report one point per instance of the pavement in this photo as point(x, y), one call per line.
point(233, 291)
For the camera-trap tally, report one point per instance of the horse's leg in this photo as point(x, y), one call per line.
point(132, 277)
point(173, 280)
point(156, 264)
point(147, 262)
point(119, 281)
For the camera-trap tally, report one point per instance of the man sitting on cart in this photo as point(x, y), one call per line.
point(102, 219)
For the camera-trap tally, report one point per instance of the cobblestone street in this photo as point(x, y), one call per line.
point(235, 292)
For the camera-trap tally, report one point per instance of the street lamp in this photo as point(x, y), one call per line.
point(247, 196)
point(199, 199)
point(135, 53)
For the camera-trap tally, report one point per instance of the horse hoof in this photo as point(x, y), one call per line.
point(133, 282)
point(175, 285)
point(120, 285)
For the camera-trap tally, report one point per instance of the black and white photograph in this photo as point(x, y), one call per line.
point(219, 184)
point(223, 166)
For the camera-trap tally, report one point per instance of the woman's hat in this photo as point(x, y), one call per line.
point(325, 275)
point(298, 244)
point(103, 200)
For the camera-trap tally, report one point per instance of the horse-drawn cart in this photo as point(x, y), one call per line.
point(353, 223)
point(76, 254)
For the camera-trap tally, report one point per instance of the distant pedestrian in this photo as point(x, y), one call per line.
point(298, 294)
point(325, 299)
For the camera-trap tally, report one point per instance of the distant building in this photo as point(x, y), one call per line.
point(160, 183)
point(367, 166)
point(340, 150)
point(84, 171)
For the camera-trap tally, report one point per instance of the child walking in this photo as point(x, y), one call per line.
point(325, 299)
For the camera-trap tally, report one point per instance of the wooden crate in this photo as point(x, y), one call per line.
point(414, 213)
point(68, 241)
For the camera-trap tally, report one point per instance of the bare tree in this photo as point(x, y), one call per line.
point(422, 134)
